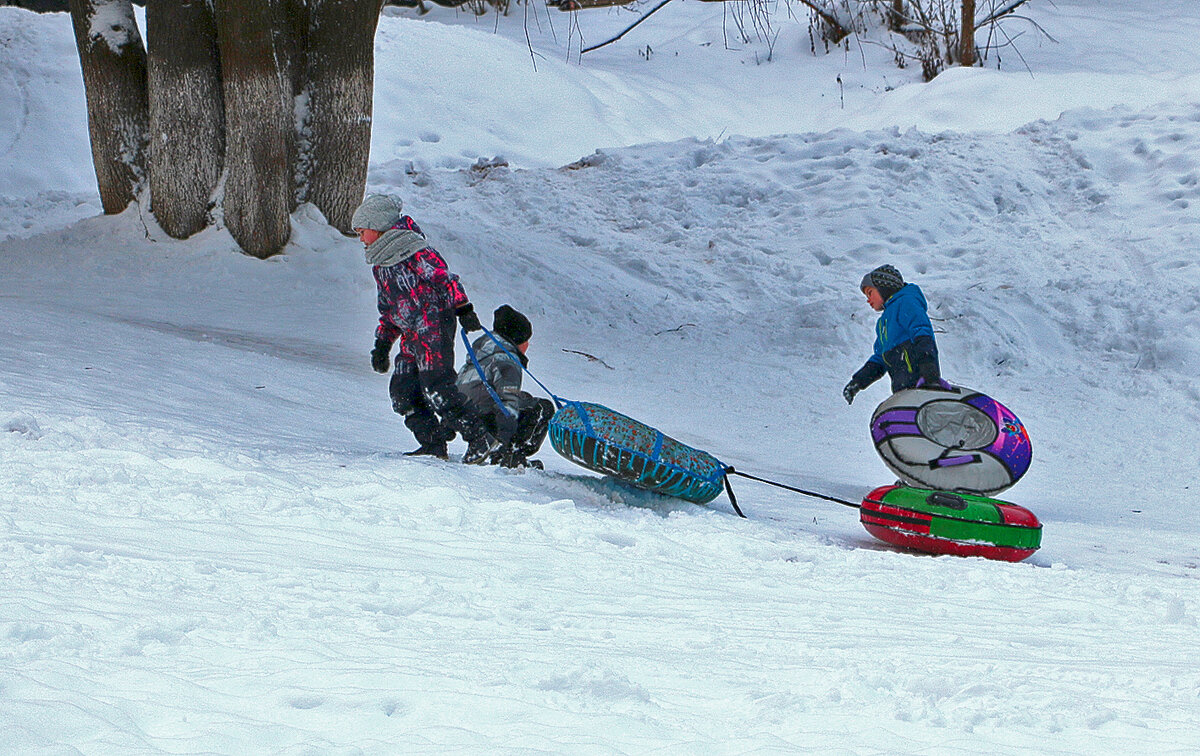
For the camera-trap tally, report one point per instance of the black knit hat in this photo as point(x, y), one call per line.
point(886, 279)
point(511, 325)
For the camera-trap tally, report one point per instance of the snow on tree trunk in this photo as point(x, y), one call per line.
point(967, 38)
point(113, 61)
point(291, 35)
point(187, 114)
point(259, 130)
point(335, 116)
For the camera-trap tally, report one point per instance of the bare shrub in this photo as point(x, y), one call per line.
point(929, 33)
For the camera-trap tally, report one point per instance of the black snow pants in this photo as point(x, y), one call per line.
point(423, 390)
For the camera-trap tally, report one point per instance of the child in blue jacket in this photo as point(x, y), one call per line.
point(904, 345)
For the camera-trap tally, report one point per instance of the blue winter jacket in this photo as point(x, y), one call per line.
point(904, 344)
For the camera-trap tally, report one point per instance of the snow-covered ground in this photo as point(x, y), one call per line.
point(209, 542)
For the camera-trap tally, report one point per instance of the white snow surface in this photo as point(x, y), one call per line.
point(209, 542)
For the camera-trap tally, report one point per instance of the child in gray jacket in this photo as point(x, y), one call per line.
point(515, 417)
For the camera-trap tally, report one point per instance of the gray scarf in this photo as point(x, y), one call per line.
point(395, 246)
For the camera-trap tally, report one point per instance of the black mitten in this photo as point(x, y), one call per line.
point(468, 319)
point(929, 372)
point(851, 391)
point(381, 357)
point(867, 374)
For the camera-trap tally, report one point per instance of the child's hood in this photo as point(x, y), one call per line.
point(485, 348)
point(911, 294)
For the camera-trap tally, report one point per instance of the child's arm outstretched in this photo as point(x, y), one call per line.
point(872, 370)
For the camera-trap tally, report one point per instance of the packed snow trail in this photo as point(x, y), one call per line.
point(202, 598)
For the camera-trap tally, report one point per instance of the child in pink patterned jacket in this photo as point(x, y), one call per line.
point(419, 300)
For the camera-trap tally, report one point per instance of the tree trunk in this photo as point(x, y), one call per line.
point(335, 129)
point(266, 101)
point(187, 115)
point(895, 15)
point(259, 124)
point(292, 41)
point(967, 38)
point(113, 61)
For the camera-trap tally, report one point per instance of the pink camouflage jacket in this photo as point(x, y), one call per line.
point(415, 294)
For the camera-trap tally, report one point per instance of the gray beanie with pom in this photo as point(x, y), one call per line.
point(886, 279)
point(378, 212)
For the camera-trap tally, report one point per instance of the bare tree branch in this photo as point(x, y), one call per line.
point(629, 28)
point(1037, 27)
point(840, 32)
point(1003, 11)
point(1010, 42)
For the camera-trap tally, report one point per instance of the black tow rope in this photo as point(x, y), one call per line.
point(729, 490)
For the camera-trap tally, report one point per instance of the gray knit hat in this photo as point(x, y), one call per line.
point(378, 212)
point(885, 278)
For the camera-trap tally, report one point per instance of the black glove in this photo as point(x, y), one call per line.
point(923, 354)
point(929, 374)
point(468, 319)
point(381, 357)
point(870, 372)
point(851, 391)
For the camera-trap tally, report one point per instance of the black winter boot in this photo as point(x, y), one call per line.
point(518, 462)
point(532, 426)
point(480, 448)
point(432, 449)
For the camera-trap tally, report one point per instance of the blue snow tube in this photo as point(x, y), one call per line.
point(607, 442)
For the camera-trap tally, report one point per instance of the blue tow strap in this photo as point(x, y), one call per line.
point(558, 401)
point(479, 369)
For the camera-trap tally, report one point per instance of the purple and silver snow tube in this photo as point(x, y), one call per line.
point(951, 440)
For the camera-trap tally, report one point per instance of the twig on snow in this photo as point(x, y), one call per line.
point(839, 31)
point(676, 329)
point(590, 357)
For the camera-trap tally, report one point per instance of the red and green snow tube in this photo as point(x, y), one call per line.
point(939, 522)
